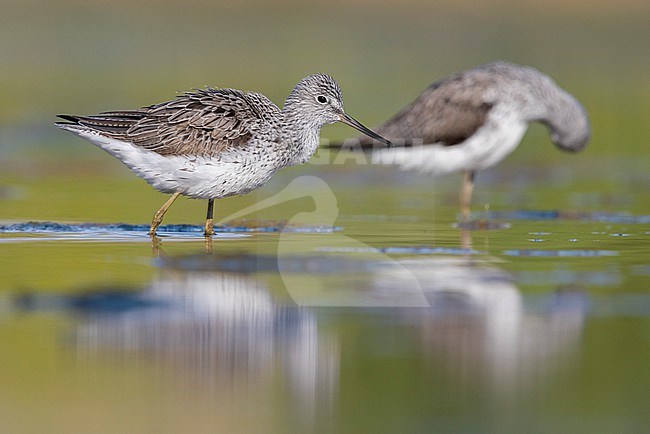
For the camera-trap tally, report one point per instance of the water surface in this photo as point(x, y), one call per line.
point(365, 307)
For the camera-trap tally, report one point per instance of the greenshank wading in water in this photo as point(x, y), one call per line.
point(214, 143)
point(472, 120)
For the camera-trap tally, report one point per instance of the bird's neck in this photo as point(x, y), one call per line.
point(301, 133)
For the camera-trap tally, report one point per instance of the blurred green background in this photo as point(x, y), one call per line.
point(88, 56)
point(84, 57)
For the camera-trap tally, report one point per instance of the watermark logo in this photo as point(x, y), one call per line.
point(292, 245)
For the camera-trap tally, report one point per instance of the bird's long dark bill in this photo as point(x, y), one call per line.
point(349, 120)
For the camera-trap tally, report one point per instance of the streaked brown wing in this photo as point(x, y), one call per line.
point(446, 113)
point(204, 122)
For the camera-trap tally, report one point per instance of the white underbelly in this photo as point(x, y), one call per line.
point(197, 177)
point(205, 178)
point(487, 147)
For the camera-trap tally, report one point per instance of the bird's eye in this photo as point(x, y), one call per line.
point(321, 99)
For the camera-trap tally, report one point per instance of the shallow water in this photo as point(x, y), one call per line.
point(355, 303)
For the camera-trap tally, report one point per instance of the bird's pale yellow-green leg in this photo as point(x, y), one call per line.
point(466, 194)
point(158, 217)
point(209, 224)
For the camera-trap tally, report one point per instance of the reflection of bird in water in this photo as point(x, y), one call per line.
point(468, 310)
point(472, 120)
point(479, 323)
point(209, 326)
point(221, 331)
point(215, 143)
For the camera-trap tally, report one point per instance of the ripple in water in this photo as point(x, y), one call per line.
point(602, 217)
point(124, 228)
point(561, 253)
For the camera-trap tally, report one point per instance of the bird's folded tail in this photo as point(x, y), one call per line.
point(107, 122)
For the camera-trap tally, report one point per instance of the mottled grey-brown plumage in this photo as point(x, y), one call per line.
point(205, 123)
point(446, 113)
point(453, 109)
point(214, 143)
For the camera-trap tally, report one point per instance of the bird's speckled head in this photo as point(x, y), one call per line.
point(319, 98)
